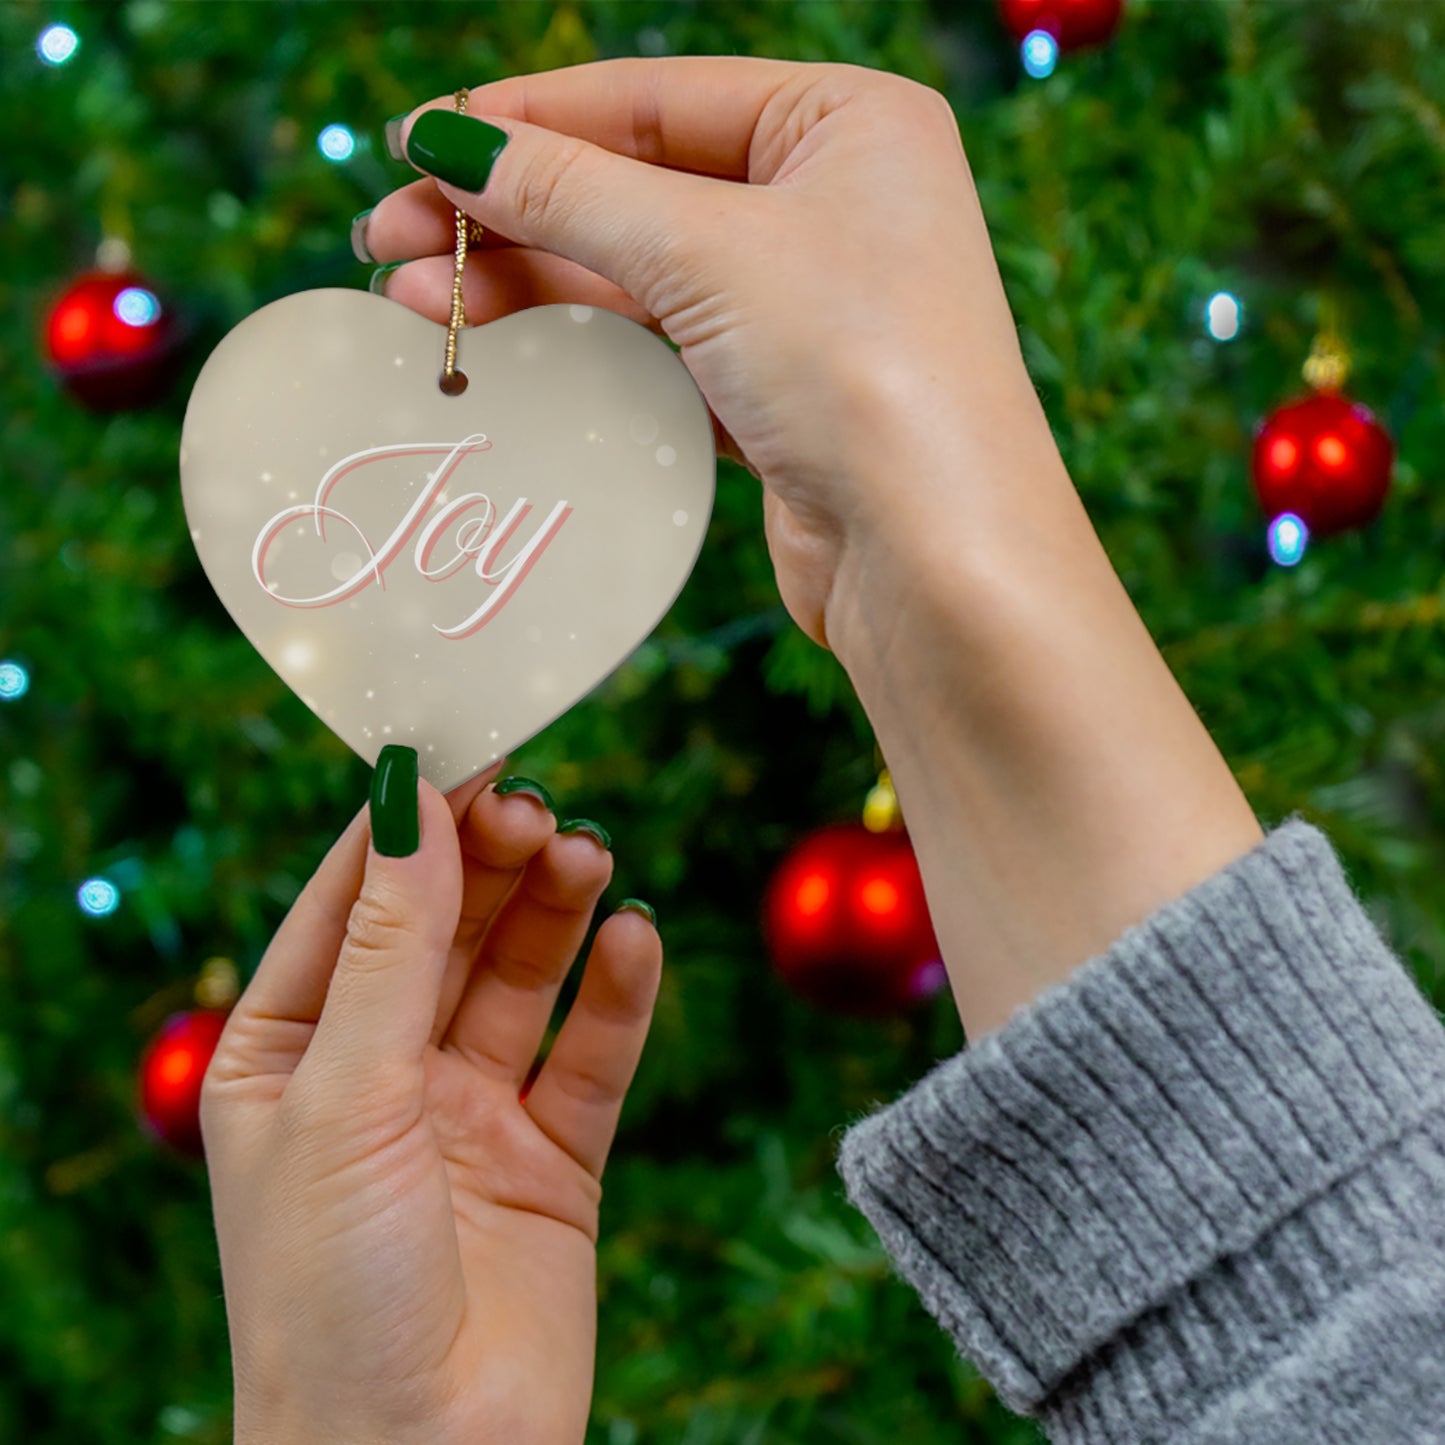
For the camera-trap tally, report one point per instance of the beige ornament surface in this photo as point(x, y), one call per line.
point(447, 572)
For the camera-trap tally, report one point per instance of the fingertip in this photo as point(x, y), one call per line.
point(394, 131)
point(505, 830)
point(643, 910)
point(629, 949)
point(632, 933)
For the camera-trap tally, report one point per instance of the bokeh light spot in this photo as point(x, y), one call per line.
point(1040, 52)
point(57, 44)
point(98, 897)
point(14, 681)
point(879, 897)
point(1283, 454)
point(336, 143)
point(137, 307)
point(1288, 538)
point(812, 895)
point(1223, 316)
point(73, 324)
point(177, 1066)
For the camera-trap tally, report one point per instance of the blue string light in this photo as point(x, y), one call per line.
point(336, 143)
point(1040, 52)
point(57, 44)
point(1288, 538)
point(14, 681)
point(98, 897)
point(137, 307)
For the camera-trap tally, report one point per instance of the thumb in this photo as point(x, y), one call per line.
point(623, 219)
point(382, 999)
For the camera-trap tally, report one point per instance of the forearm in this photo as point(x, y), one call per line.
point(1057, 784)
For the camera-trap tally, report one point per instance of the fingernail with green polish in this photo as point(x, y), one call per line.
point(379, 277)
point(395, 814)
point(636, 905)
point(525, 785)
point(393, 136)
point(455, 148)
point(586, 825)
point(359, 248)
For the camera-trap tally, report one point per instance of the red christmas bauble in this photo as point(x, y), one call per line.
point(1073, 23)
point(171, 1071)
point(1324, 458)
point(847, 923)
point(111, 341)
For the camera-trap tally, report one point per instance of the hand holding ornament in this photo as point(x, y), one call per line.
point(407, 1221)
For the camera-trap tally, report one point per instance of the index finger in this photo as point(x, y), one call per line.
point(696, 113)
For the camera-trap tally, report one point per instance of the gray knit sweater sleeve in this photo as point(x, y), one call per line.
point(1197, 1191)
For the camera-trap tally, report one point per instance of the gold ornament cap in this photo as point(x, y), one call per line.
point(219, 985)
point(881, 813)
point(1328, 366)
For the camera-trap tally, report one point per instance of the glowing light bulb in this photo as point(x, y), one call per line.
point(137, 307)
point(1223, 316)
point(57, 44)
point(14, 681)
point(1040, 52)
point(336, 143)
point(98, 897)
point(1288, 538)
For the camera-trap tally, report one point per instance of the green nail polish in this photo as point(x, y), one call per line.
point(636, 905)
point(586, 825)
point(393, 136)
point(455, 148)
point(525, 785)
point(359, 248)
point(395, 813)
point(377, 284)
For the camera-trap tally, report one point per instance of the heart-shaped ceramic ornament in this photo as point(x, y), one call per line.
point(451, 572)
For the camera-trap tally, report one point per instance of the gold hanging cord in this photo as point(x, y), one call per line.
point(467, 230)
point(1328, 367)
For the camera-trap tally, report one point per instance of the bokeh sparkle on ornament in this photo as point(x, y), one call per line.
point(172, 1070)
point(112, 342)
point(14, 681)
point(336, 143)
point(1069, 24)
point(1040, 53)
point(1223, 316)
point(1288, 538)
point(847, 923)
point(98, 897)
point(1326, 460)
point(57, 44)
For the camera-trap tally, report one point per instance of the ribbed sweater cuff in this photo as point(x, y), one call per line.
point(1133, 1155)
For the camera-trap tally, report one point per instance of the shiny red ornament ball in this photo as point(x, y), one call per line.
point(847, 923)
point(171, 1071)
point(112, 341)
point(1324, 458)
point(1073, 23)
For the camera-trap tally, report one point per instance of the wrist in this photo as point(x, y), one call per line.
point(1057, 784)
point(954, 479)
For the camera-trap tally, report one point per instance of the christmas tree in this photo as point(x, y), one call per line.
point(1180, 214)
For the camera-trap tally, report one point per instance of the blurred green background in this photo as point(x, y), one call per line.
point(1291, 154)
